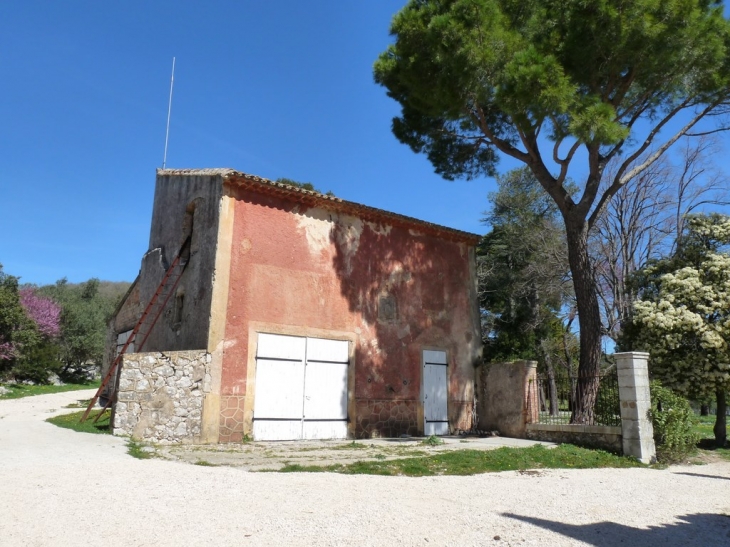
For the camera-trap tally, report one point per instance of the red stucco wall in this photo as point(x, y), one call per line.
point(296, 267)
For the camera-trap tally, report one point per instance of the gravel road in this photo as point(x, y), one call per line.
point(59, 487)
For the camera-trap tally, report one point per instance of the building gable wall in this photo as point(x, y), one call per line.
point(391, 290)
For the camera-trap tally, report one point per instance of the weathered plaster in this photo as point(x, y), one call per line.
point(297, 270)
point(217, 323)
point(503, 396)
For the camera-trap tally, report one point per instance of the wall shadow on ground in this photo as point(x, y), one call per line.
point(692, 529)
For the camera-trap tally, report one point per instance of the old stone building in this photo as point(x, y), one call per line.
point(297, 315)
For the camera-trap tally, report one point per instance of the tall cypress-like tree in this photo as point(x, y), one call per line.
point(561, 86)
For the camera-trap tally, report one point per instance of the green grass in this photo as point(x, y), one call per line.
point(433, 440)
point(704, 427)
point(351, 446)
point(22, 390)
point(472, 462)
point(71, 421)
point(136, 450)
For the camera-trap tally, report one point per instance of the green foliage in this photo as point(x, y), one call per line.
point(561, 86)
point(37, 362)
point(674, 424)
point(472, 462)
point(683, 316)
point(523, 272)
point(86, 309)
point(477, 77)
point(304, 185)
point(24, 351)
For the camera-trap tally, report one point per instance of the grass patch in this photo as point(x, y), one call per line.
point(472, 462)
point(139, 450)
point(23, 390)
point(351, 446)
point(433, 440)
point(704, 426)
point(205, 463)
point(81, 403)
point(72, 421)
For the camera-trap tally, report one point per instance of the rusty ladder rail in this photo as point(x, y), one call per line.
point(169, 275)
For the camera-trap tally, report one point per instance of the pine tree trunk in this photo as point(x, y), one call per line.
point(720, 429)
point(589, 321)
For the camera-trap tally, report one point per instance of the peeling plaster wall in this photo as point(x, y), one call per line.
point(394, 291)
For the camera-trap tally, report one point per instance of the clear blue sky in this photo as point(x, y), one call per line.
point(277, 89)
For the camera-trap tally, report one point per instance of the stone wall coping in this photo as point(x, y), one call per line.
point(577, 428)
point(166, 353)
point(639, 354)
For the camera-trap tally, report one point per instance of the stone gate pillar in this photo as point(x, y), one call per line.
point(633, 388)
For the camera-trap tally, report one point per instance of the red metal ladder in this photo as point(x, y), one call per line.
point(144, 325)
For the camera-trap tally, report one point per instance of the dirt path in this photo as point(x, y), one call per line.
point(58, 488)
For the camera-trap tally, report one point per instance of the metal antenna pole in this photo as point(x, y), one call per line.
point(169, 108)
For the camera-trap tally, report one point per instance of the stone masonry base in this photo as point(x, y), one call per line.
point(160, 397)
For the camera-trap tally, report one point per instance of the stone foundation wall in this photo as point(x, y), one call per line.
point(386, 418)
point(587, 436)
point(160, 397)
point(232, 419)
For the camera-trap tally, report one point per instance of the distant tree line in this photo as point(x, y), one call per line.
point(57, 329)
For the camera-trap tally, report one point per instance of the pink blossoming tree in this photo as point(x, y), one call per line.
point(44, 312)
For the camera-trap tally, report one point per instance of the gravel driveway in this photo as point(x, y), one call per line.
point(59, 487)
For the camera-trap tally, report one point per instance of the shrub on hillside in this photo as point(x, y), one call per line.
point(673, 421)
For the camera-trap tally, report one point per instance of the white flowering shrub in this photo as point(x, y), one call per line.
point(683, 318)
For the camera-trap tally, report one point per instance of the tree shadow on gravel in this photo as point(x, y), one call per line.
point(701, 475)
point(696, 529)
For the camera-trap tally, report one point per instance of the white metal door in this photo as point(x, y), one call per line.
point(301, 388)
point(279, 388)
point(325, 389)
point(436, 421)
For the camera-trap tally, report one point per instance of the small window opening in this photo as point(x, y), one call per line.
point(387, 308)
point(187, 229)
point(177, 315)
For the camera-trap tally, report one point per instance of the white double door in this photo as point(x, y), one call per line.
point(301, 388)
point(436, 420)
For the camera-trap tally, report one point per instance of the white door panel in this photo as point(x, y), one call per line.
point(436, 428)
point(277, 430)
point(325, 430)
point(435, 393)
point(279, 389)
point(434, 357)
point(325, 391)
point(336, 351)
point(276, 346)
point(300, 379)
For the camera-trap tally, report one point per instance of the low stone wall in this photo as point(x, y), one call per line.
point(160, 397)
point(502, 397)
point(588, 436)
